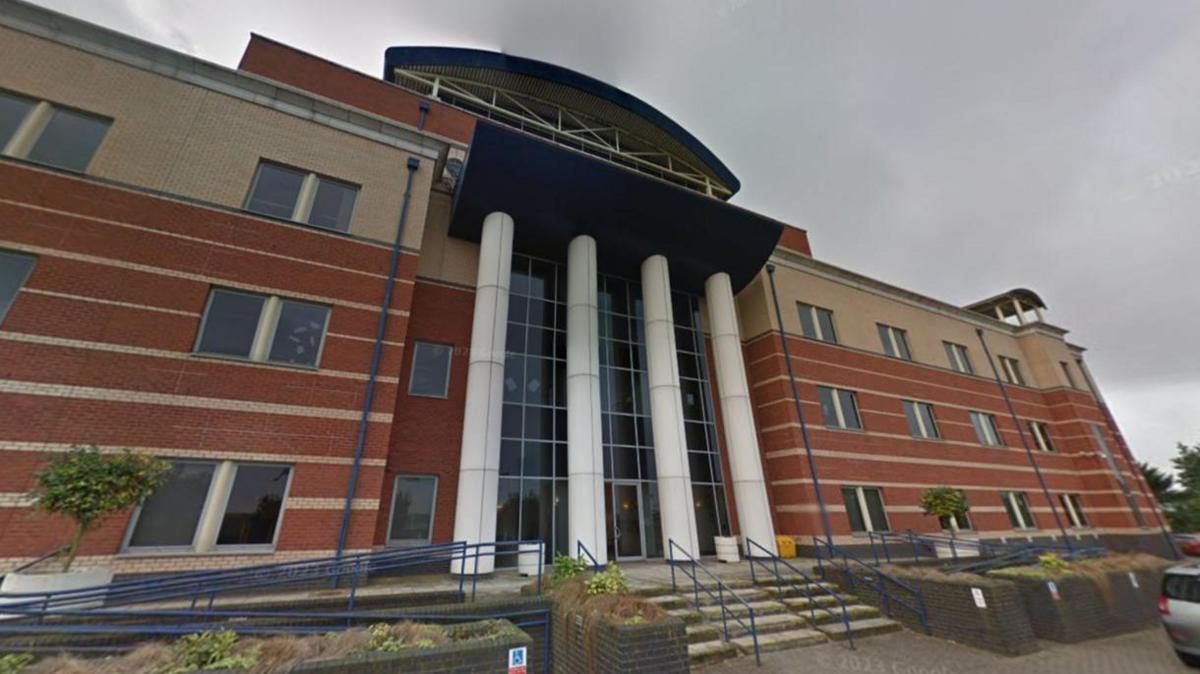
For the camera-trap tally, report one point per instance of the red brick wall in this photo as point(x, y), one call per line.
point(796, 240)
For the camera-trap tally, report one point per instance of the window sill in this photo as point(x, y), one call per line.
point(188, 552)
point(845, 430)
point(431, 396)
point(248, 361)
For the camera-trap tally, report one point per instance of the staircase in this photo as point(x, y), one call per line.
point(783, 617)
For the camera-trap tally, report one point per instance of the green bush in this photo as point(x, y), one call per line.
point(210, 650)
point(1052, 562)
point(88, 486)
point(609, 581)
point(13, 663)
point(565, 568)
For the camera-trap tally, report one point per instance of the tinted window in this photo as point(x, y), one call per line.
point(12, 112)
point(828, 410)
point(170, 515)
point(69, 140)
point(849, 409)
point(825, 318)
point(412, 509)
point(333, 205)
point(1182, 588)
point(431, 369)
point(807, 326)
point(299, 333)
point(926, 411)
point(275, 191)
point(230, 323)
point(874, 501)
point(14, 270)
point(255, 502)
point(853, 511)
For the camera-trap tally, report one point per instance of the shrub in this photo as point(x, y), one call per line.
point(565, 568)
point(1053, 563)
point(394, 638)
point(945, 502)
point(609, 581)
point(87, 486)
point(14, 662)
point(210, 650)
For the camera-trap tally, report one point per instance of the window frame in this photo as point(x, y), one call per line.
point(814, 313)
point(1066, 370)
point(29, 131)
point(388, 541)
point(1015, 499)
point(839, 412)
point(412, 370)
point(990, 426)
point(1073, 505)
point(305, 198)
point(212, 514)
point(264, 331)
point(20, 284)
point(959, 357)
point(921, 432)
point(860, 499)
point(896, 342)
point(1040, 431)
point(1011, 367)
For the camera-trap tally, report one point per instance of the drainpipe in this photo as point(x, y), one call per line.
point(376, 355)
point(1024, 441)
point(1133, 466)
point(812, 464)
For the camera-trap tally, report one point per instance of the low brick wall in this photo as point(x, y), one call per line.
point(486, 654)
point(605, 647)
point(1089, 608)
point(1001, 626)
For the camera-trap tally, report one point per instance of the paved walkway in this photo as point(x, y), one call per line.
point(1146, 652)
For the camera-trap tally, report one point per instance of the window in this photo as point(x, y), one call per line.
point(262, 328)
point(1016, 504)
point(1041, 436)
point(1011, 368)
point(49, 134)
point(207, 505)
point(960, 522)
point(1074, 509)
point(14, 271)
point(895, 341)
point(985, 429)
point(302, 196)
point(1066, 370)
point(817, 323)
point(920, 419)
point(864, 507)
point(959, 360)
point(839, 408)
point(412, 510)
point(430, 370)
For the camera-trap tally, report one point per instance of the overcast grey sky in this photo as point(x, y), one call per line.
point(954, 148)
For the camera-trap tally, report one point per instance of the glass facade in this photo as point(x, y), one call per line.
point(532, 498)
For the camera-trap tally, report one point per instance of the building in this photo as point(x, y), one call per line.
point(480, 298)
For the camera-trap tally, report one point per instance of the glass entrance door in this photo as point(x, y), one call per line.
point(623, 502)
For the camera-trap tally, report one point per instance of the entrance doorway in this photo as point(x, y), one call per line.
point(623, 508)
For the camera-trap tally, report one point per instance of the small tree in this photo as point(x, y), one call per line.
point(946, 502)
point(87, 486)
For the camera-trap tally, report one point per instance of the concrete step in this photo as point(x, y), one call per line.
point(745, 594)
point(687, 615)
point(652, 590)
point(801, 589)
point(775, 622)
point(708, 652)
point(701, 632)
point(761, 608)
point(801, 603)
point(668, 601)
point(777, 641)
point(764, 578)
point(684, 583)
point(834, 614)
point(836, 631)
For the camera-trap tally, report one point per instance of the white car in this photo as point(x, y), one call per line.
point(1179, 607)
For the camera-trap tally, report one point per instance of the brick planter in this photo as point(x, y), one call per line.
point(607, 647)
point(1086, 610)
point(489, 653)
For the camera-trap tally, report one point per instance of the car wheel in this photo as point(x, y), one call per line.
point(1189, 659)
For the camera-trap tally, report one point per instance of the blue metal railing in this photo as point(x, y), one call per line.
point(143, 606)
point(888, 587)
point(771, 562)
point(582, 552)
point(1025, 555)
point(921, 544)
point(688, 562)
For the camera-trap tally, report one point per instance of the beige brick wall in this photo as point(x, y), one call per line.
point(176, 137)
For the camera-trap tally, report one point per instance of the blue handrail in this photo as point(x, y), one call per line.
point(581, 551)
point(873, 578)
point(722, 590)
point(920, 543)
point(1026, 555)
point(809, 583)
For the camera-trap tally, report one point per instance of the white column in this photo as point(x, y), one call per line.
point(585, 453)
point(666, 411)
point(479, 467)
point(741, 440)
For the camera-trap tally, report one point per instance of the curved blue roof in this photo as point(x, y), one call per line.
point(461, 57)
